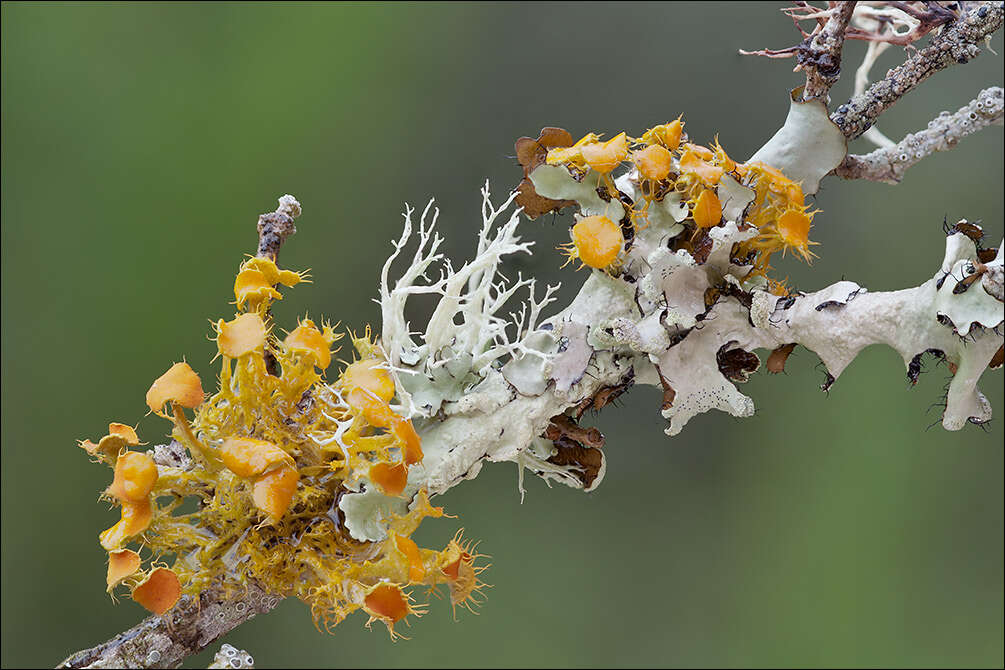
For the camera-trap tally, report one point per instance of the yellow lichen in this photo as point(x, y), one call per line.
point(273, 449)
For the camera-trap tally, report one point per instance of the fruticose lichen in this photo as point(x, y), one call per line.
point(264, 461)
point(312, 488)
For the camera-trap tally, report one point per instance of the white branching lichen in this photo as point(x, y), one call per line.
point(482, 385)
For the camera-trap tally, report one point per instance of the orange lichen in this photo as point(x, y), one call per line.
point(135, 476)
point(596, 241)
point(159, 591)
point(654, 162)
point(704, 153)
point(308, 340)
point(253, 288)
point(124, 432)
point(779, 212)
point(411, 445)
point(389, 604)
point(179, 385)
point(390, 478)
point(122, 564)
point(249, 457)
point(408, 547)
point(370, 375)
point(572, 156)
point(272, 273)
point(604, 157)
point(242, 336)
point(707, 210)
point(120, 436)
point(667, 135)
point(375, 411)
point(794, 232)
point(694, 163)
point(257, 280)
point(273, 492)
point(135, 519)
point(273, 450)
point(457, 565)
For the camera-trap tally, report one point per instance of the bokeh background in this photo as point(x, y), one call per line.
point(140, 142)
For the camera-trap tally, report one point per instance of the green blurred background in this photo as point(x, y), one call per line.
point(140, 142)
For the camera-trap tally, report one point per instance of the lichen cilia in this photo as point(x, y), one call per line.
point(662, 162)
point(269, 454)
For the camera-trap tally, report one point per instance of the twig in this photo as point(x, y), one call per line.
point(821, 59)
point(164, 642)
point(275, 227)
point(957, 42)
point(819, 54)
point(888, 164)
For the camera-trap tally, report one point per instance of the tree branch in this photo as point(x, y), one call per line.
point(957, 42)
point(821, 61)
point(164, 642)
point(889, 164)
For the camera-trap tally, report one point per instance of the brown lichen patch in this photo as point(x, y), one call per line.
point(776, 361)
point(564, 426)
point(736, 364)
point(669, 394)
point(532, 153)
point(576, 447)
point(587, 460)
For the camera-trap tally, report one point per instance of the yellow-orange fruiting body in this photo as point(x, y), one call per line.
point(794, 230)
point(390, 478)
point(604, 157)
point(108, 448)
point(693, 163)
point(135, 476)
point(667, 135)
point(244, 335)
point(179, 385)
point(273, 492)
point(411, 445)
point(125, 432)
point(703, 153)
point(277, 428)
point(271, 272)
point(307, 339)
point(572, 155)
point(653, 162)
point(722, 159)
point(707, 210)
point(251, 286)
point(122, 563)
point(257, 279)
point(135, 519)
point(597, 241)
point(407, 546)
point(248, 457)
point(375, 411)
point(458, 567)
point(368, 374)
point(387, 602)
point(159, 592)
